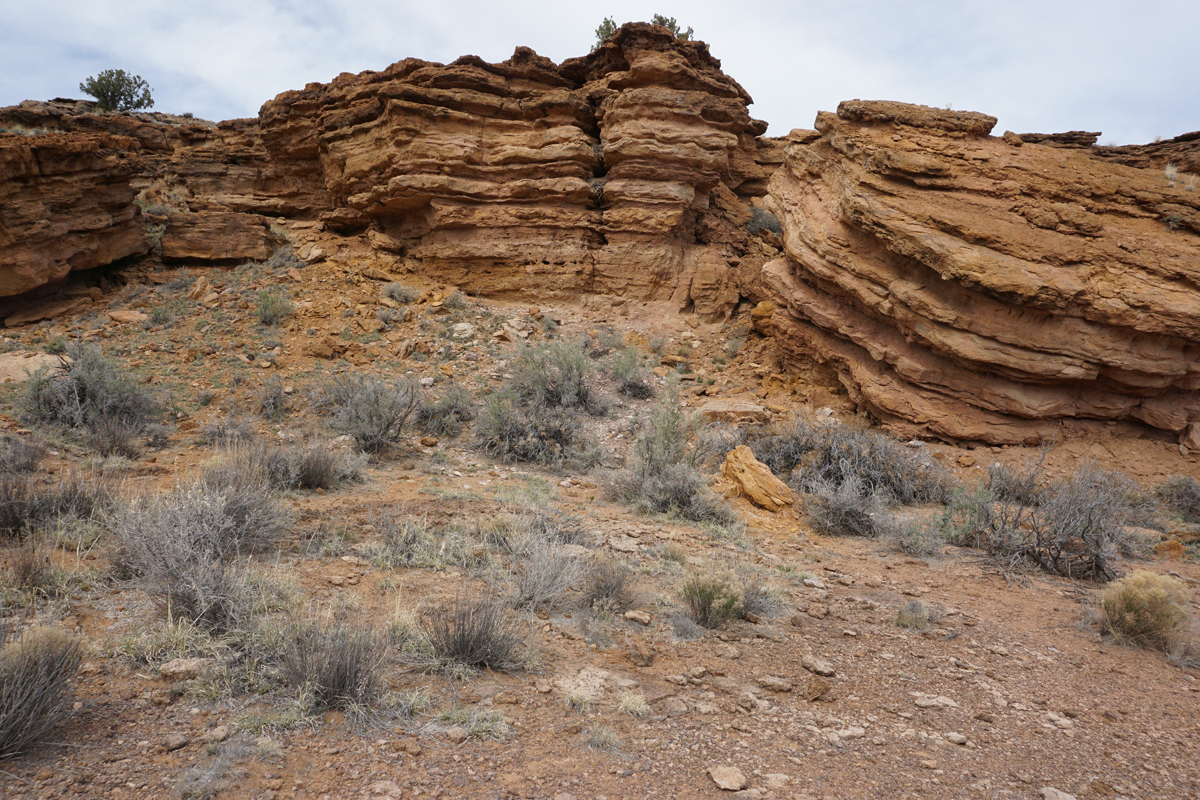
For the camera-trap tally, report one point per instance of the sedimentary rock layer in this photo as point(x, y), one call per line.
point(65, 203)
point(975, 287)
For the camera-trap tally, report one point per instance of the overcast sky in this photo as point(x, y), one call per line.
point(1126, 69)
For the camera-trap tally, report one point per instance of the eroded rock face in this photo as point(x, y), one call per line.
point(972, 287)
point(66, 203)
point(627, 171)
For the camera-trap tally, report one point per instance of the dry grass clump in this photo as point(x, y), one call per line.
point(474, 632)
point(844, 510)
point(448, 414)
point(1147, 609)
point(913, 615)
point(339, 661)
point(18, 455)
point(298, 466)
point(36, 667)
point(607, 587)
point(27, 505)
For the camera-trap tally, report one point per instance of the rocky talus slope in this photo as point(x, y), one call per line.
point(975, 287)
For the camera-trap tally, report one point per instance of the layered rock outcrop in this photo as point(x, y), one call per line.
point(979, 288)
point(66, 203)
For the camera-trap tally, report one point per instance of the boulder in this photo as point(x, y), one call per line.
point(733, 411)
point(755, 480)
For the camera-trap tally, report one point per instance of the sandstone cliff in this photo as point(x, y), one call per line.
point(975, 287)
point(66, 203)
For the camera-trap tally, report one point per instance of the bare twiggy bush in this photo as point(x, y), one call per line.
point(448, 414)
point(227, 431)
point(1181, 494)
point(36, 667)
point(1017, 486)
point(114, 437)
point(513, 431)
point(26, 505)
point(844, 510)
point(711, 600)
point(28, 568)
point(373, 411)
point(758, 600)
point(545, 573)
point(476, 632)
point(607, 587)
point(339, 661)
point(1146, 609)
point(86, 391)
point(819, 453)
point(910, 536)
point(187, 546)
point(18, 455)
point(1077, 529)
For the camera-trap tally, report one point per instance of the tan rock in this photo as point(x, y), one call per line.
point(185, 669)
point(127, 317)
point(216, 236)
point(729, 779)
point(756, 481)
point(1171, 550)
point(46, 311)
point(733, 411)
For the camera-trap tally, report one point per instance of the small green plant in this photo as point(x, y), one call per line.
point(1173, 221)
point(118, 90)
point(1147, 609)
point(913, 615)
point(273, 307)
point(711, 600)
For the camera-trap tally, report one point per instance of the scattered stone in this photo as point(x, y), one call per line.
point(429, 441)
point(457, 734)
point(674, 707)
point(813, 583)
point(127, 317)
point(640, 656)
point(925, 701)
point(817, 665)
point(426, 382)
point(638, 616)
point(176, 741)
point(384, 789)
point(773, 683)
point(624, 544)
point(215, 735)
point(733, 411)
point(817, 689)
point(956, 738)
point(185, 669)
point(1050, 793)
point(729, 779)
point(462, 330)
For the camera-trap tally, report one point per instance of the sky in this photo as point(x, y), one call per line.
point(1125, 69)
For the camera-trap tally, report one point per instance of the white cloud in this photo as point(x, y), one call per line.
point(1038, 66)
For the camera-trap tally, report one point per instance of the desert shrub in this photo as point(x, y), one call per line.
point(448, 414)
point(552, 525)
point(372, 411)
point(758, 600)
point(339, 661)
point(475, 633)
point(662, 477)
point(28, 569)
point(636, 389)
point(913, 615)
point(1077, 528)
point(816, 453)
point(228, 430)
point(297, 466)
point(603, 737)
point(844, 511)
point(273, 307)
point(634, 705)
point(26, 505)
point(118, 90)
point(761, 218)
point(187, 546)
point(455, 300)
point(1181, 494)
point(711, 600)
point(36, 667)
point(400, 293)
point(555, 374)
point(86, 391)
point(272, 401)
point(1146, 609)
point(545, 572)
point(113, 437)
point(607, 587)
point(911, 537)
point(18, 455)
point(511, 430)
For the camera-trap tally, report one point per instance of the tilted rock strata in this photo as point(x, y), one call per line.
point(968, 288)
point(65, 204)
